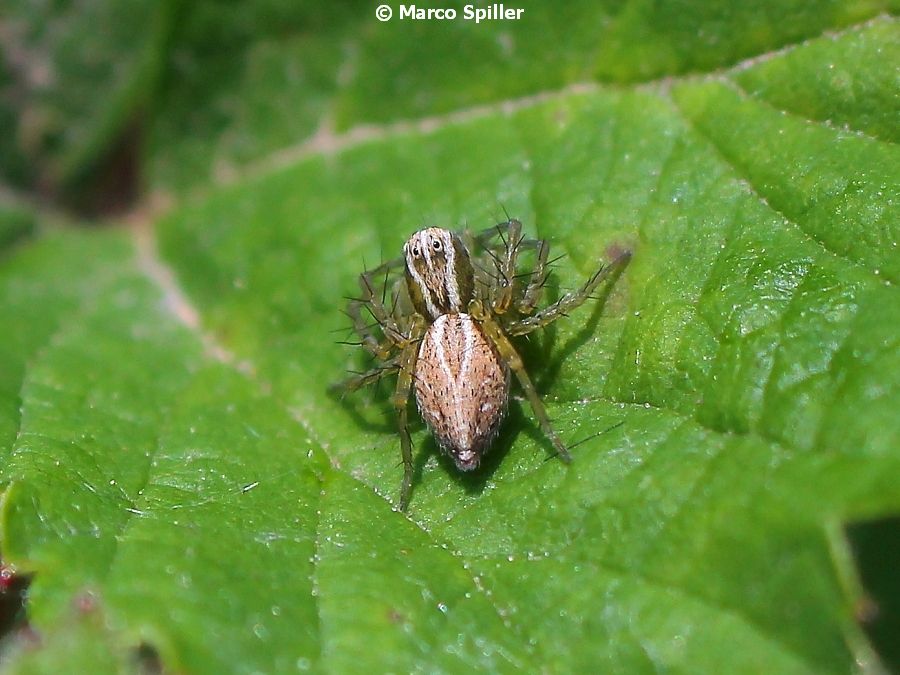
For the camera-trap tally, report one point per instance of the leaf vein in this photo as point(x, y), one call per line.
point(742, 171)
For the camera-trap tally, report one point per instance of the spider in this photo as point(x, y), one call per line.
point(446, 334)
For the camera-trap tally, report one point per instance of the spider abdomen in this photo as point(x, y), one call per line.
point(461, 388)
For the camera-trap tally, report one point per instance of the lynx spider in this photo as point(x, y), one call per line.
point(447, 334)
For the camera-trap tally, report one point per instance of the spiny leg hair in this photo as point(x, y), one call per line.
point(570, 300)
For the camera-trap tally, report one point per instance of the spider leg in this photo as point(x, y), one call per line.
point(387, 266)
point(502, 285)
point(401, 305)
point(503, 294)
point(484, 238)
point(487, 265)
point(360, 380)
point(570, 300)
point(407, 366)
point(512, 359)
point(375, 305)
point(370, 342)
point(498, 237)
point(538, 278)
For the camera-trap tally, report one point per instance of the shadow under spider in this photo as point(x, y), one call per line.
point(474, 482)
point(377, 402)
point(548, 374)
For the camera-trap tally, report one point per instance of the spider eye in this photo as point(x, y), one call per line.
point(436, 243)
point(415, 252)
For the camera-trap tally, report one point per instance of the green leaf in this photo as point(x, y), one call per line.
point(80, 644)
point(14, 167)
point(192, 509)
point(449, 64)
point(875, 548)
point(78, 75)
point(16, 223)
point(173, 461)
point(833, 81)
point(251, 79)
point(244, 80)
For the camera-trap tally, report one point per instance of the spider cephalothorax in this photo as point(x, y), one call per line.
point(439, 274)
point(447, 333)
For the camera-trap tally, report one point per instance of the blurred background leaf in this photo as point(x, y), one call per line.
point(187, 497)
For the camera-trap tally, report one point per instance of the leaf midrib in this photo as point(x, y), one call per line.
point(325, 142)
